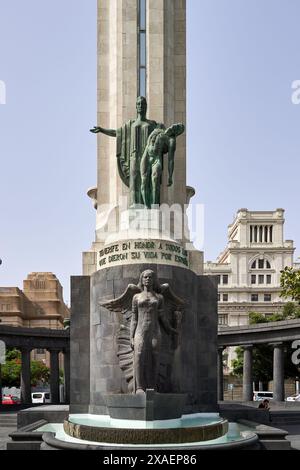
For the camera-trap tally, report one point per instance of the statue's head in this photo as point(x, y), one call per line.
point(141, 105)
point(149, 279)
point(175, 130)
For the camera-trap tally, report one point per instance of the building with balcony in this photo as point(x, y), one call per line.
point(248, 270)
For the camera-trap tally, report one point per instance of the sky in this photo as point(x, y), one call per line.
point(242, 126)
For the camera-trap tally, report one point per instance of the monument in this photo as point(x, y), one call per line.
point(144, 318)
point(143, 330)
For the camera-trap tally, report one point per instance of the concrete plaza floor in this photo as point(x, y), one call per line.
point(292, 429)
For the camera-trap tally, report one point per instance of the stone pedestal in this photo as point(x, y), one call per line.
point(149, 406)
point(193, 370)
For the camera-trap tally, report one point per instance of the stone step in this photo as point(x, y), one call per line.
point(26, 445)
point(273, 444)
point(8, 420)
point(285, 418)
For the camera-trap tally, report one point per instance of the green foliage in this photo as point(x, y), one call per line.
point(256, 317)
point(291, 311)
point(290, 284)
point(39, 373)
point(262, 363)
point(12, 353)
point(11, 370)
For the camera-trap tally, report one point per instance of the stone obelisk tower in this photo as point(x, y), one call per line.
point(141, 52)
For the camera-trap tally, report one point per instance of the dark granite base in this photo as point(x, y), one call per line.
point(147, 406)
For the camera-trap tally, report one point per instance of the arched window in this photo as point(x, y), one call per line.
point(260, 263)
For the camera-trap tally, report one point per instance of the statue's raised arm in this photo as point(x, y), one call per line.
point(109, 132)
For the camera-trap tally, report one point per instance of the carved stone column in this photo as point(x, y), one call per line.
point(25, 376)
point(67, 375)
point(247, 374)
point(220, 374)
point(278, 372)
point(54, 375)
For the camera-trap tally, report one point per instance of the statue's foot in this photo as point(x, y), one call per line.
point(139, 391)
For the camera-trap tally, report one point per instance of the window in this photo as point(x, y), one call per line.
point(219, 279)
point(261, 279)
point(255, 233)
point(225, 279)
point(225, 297)
point(5, 307)
point(271, 234)
point(261, 234)
point(219, 297)
point(261, 263)
point(268, 266)
point(142, 48)
point(254, 297)
point(267, 297)
point(253, 279)
point(40, 285)
point(253, 266)
point(223, 319)
point(269, 279)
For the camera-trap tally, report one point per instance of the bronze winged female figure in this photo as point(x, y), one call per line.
point(145, 308)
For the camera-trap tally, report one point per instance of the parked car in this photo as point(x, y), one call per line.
point(295, 397)
point(40, 397)
point(10, 400)
point(262, 395)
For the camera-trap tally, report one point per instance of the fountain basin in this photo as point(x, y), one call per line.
point(188, 429)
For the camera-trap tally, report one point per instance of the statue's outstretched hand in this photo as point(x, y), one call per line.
point(95, 130)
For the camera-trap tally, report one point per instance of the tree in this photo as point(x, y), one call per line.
point(11, 370)
point(291, 311)
point(290, 284)
point(262, 368)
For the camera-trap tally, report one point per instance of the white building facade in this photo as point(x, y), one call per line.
point(249, 267)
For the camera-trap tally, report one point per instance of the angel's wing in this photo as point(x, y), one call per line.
point(123, 303)
point(176, 302)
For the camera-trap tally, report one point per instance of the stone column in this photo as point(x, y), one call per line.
point(25, 376)
point(247, 374)
point(54, 375)
point(278, 372)
point(67, 375)
point(220, 374)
